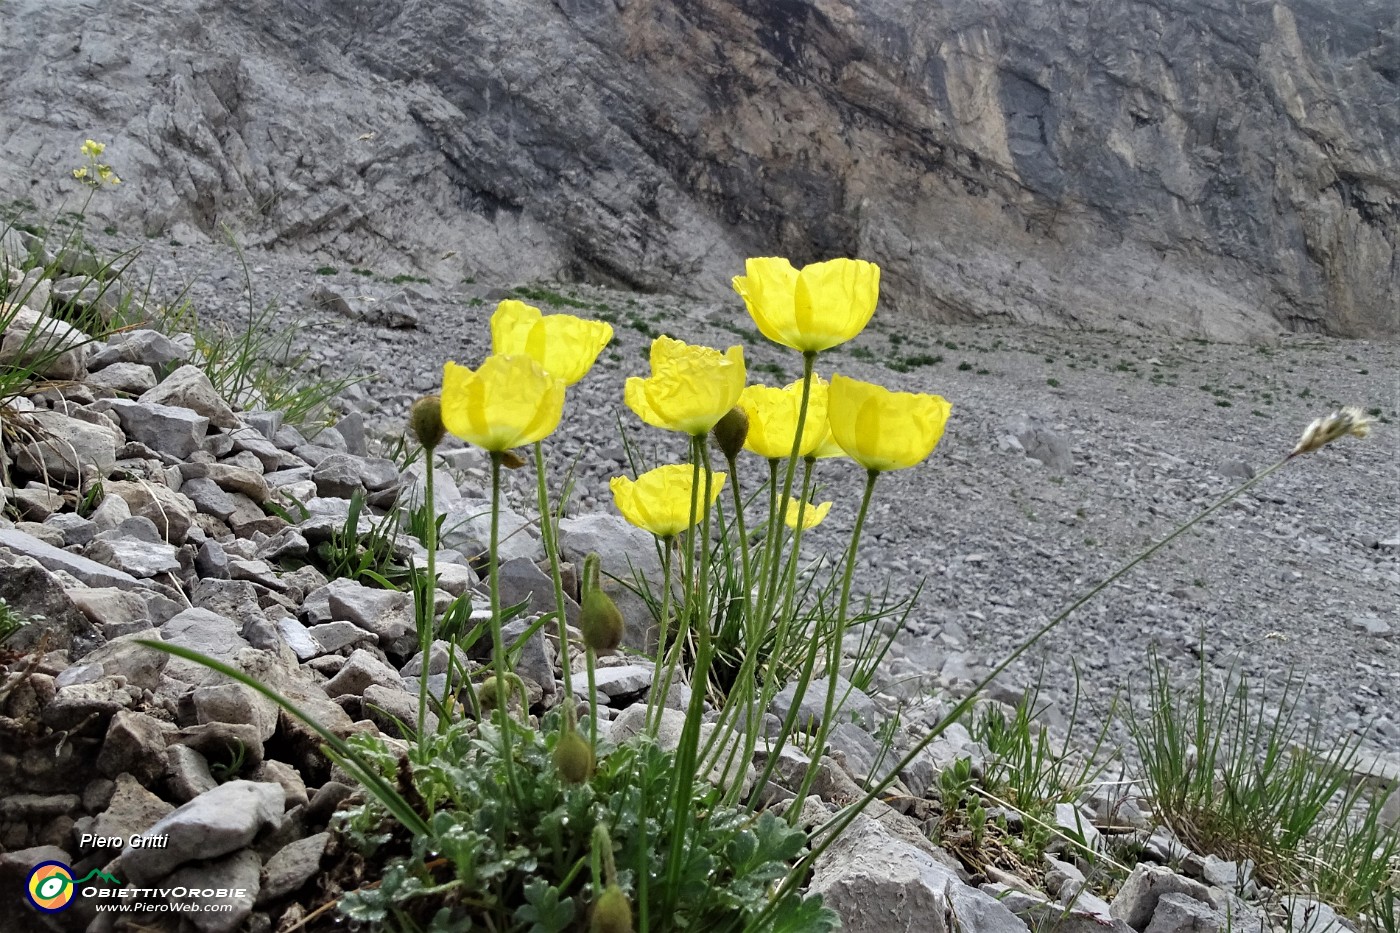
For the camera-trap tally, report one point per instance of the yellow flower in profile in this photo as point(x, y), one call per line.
point(822, 306)
point(690, 387)
point(658, 501)
point(566, 346)
point(884, 430)
point(92, 148)
point(509, 402)
point(773, 418)
point(812, 516)
point(828, 447)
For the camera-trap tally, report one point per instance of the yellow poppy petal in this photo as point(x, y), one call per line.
point(510, 401)
point(565, 345)
point(690, 387)
point(812, 515)
point(834, 300)
point(884, 430)
point(767, 289)
point(773, 415)
point(658, 501)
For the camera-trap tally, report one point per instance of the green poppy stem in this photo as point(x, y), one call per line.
point(498, 644)
point(427, 613)
point(667, 548)
point(809, 359)
point(834, 647)
point(590, 658)
point(760, 602)
point(743, 532)
point(687, 749)
point(549, 534)
point(790, 577)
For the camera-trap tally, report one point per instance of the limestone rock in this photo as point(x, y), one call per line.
point(878, 882)
point(217, 822)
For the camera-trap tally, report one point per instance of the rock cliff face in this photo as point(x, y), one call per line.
point(1216, 167)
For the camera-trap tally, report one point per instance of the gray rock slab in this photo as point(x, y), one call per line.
point(878, 882)
point(188, 387)
point(134, 744)
point(361, 670)
point(206, 632)
point(178, 432)
point(217, 822)
point(141, 559)
point(228, 903)
point(63, 446)
point(292, 866)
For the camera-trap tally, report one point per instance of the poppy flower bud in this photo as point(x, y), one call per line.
point(612, 912)
point(599, 620)
point(512, 460)
point(425, 418)
point(731, 431)
point(573, 756)
point(486, 695)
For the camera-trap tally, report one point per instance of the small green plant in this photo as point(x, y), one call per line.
point(964, 366)
point(552, 298)
point(372, 556)
point(539, 877)
point(10, 621)
point(772, 369)
point(1235, 772)
point(1053, 383)
point(326, 270)
point(224, 771)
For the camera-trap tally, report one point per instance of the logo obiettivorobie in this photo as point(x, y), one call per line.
point(51, 887)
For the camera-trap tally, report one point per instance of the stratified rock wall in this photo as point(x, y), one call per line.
point(1216, 167)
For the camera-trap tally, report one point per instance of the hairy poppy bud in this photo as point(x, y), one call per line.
point(573, 756)
point(425, 418)
point(512, 460)
point(486, 694)
point(599, 620)
point(612, 912)
point(731, 431)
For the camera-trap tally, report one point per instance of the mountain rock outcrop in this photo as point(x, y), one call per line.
point(1224, 168)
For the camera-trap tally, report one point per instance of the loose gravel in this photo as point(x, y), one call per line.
point(1298, 577)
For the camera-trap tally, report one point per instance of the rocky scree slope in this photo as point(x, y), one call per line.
point(1203, 168)
point(1065, 456)
point(107, 738)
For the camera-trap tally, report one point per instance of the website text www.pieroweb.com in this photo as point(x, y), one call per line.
point(53, 887)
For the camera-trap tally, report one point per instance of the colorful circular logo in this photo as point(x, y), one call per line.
point(50, 887)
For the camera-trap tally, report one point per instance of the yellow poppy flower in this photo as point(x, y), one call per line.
point(884, 430)
point(690, 387)
point(658, 501)
point(509, 402)
point(822, 306)
point(828, 447)
point(566, 346)
point(812, 516)
point(773, 415)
